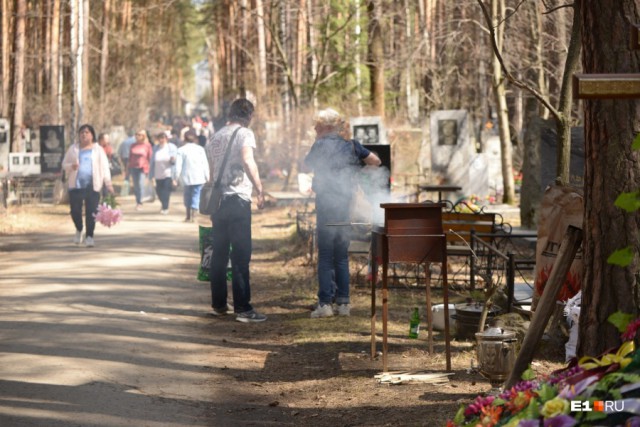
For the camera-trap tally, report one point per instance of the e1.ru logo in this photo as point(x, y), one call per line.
point(598, 406)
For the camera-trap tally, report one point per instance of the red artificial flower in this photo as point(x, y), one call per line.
point(632, 329)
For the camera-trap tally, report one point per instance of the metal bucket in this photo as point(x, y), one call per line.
point(468, 319)
point(496, 353)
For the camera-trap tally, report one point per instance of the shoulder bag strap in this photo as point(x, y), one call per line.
point(226, 157)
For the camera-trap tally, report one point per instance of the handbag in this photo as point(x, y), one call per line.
point(211, 193)
point(114, 165)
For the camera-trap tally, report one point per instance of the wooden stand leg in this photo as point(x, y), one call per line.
point(374, 279)
point(445, 292)
point(385, 314)
point(427, 275)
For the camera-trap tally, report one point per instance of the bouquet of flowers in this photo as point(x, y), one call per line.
point(107, 214)
point(602, 391)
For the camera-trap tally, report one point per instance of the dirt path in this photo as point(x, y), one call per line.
point(118, 335)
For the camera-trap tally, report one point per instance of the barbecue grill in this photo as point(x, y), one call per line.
point(412, 233)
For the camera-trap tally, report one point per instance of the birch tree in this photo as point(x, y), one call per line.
point(20, 8)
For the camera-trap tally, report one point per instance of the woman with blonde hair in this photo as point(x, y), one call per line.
point(139, 162)
point(87, 169)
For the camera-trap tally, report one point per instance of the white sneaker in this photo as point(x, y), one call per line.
point(322, 311)
point(164, 211)
point(88, 241)
point(343, 310)
point(77, 239)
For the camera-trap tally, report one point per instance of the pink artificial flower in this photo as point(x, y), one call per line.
point(107, 216)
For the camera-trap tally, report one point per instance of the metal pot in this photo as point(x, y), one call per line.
point(496, 353)
point(468, 319)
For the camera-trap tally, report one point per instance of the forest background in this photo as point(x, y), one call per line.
point(130, 62)
point(126, 62)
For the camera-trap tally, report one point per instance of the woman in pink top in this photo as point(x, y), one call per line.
point(138, 166)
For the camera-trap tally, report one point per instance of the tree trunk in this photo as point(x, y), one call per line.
point(356, 58)
point(284, 83)
point(5, 71)
point(497, 11)
point(77, 47)
point(611, 168)
point(531, 193)
point(262, 51)
point(104, 57)
point(47, 44)
point(314, 57)
point(56, 65)
point(563, 122)
point(20, 7)
point(376, 57)
point(214, 70)
point(84, 5)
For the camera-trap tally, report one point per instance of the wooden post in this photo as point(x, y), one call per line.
point(427, 276)
point(568, 249)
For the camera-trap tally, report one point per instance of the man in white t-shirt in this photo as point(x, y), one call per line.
point(231, 232)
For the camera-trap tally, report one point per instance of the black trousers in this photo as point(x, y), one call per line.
point(231, 238)
point(90, 199)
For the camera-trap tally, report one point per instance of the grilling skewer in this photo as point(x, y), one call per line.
point(346, 224)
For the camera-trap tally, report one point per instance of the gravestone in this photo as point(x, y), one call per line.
point(478, 176)
point(493, 152)
point(368, 130)
point(548, 155)
point(451, 148)
point(51, 148)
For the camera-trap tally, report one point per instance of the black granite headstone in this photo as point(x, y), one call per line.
point(51, 148)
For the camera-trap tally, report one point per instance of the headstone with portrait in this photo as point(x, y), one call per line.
point(368, 130)
point(451, 148)
point(51, 148)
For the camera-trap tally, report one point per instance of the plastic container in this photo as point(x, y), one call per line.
point(438, 317)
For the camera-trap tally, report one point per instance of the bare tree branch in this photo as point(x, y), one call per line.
point(507, 73)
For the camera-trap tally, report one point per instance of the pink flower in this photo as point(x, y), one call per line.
point(107, 216)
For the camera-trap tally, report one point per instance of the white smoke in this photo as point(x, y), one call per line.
point(372, 190)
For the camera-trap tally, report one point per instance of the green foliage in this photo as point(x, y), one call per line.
point(622, 257)
point(528, 374)
point(459, 418)
point(621, 320)
point(630, 202)
point(547, 392)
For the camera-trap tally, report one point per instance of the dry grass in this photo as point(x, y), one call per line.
point(23, 219)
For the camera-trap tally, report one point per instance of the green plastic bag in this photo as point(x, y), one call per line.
point(205, 253)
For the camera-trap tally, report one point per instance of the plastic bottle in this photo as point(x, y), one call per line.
point(229, 272)
point(414, 324)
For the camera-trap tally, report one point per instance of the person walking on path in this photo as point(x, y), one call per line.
point(87, 169)
point(231, 231)
point(193, 170)
point(139, 163)
point(334, 162)
point(163, 170)
point(105, 143)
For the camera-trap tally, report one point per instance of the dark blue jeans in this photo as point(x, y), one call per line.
point(90, 199)
point(333, 250)
point(163, 190)
point(231, 237)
